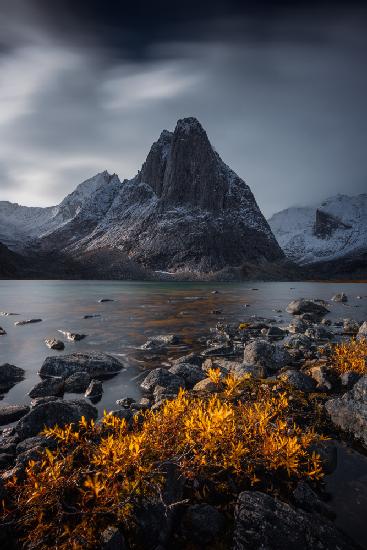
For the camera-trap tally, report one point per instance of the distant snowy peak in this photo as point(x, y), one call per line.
point(335, 228)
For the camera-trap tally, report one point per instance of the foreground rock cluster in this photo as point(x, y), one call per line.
point(295, 356)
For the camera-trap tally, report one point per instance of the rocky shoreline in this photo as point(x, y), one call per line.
point(295, 358)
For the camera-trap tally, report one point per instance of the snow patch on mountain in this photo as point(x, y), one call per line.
point(335, 228)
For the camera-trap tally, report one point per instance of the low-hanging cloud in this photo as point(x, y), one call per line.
point(286, 110)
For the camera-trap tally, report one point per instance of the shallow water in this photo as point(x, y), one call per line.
point(140, 310)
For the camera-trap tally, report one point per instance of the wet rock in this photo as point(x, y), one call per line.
point(6, 461)
point(125, 414)
point(160, 342)
point(164, 378)
point(56, 412)
point(192, 374)
point(310, 317)
point(320, 375)
point(27, 322)
point(53, 343)
point(202, 524)
point(103, 300)
point(73, 336)
point(224, 350)
point(94, 363)
point(298, 307)
point(349, 412)
point(40, 400)
point(49, 386)
point(350, 326)
point(9, 376)
point(362, 331)
point(91, 315)
point(261, 352)
point(206, 385)
point(298, 342)
point(328, 453)
point(2, 332)
point(341, 297)
point(326, 322)
point(77, 382)
point(94, 390)
point(298, 380)
point(37, 442)
point(125, 402)
point(12, 413)
point(348, 379)
point(9, 440)
point(264, 522)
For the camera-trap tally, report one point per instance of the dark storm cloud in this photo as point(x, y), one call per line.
point(86, 86)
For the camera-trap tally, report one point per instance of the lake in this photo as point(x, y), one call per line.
point(140, 310)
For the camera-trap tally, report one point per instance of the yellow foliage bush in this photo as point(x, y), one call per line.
point(101, 473)
point(350, 355)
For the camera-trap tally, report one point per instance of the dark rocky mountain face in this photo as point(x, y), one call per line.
point(185, 211)
point(326, 224)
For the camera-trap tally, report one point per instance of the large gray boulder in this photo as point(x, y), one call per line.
point(49, 386)
point(11, 413)
point(163, 378)
point(349, 412)
point(192, 374)
point(94, 363)
point(265, 523)
point(55, 412)
point(298, 307)
point(263, 353)
point(298, 380)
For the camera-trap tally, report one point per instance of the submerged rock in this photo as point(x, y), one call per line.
point(11, 413)
point(9, 376)
point(53, 343)
point(27, 322)
point(55, 412)
point(265, 523)
point(349, 412)
point(94, 363)
point(159, 342)
point(297, 307)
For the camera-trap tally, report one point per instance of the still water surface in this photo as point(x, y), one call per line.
point(140, 310)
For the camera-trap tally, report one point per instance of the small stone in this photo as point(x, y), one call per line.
point(350, 326)
point(341, 297)
point(94, 390)
point(145, 402)
point(53, 343)
point(362, 331)
point(125, 402)
point(319, 374)
point(298, 380)
point(73, 336)
point(206, 385)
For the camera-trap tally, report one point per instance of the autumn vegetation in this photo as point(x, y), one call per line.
point(350, 356)
point(101, 473)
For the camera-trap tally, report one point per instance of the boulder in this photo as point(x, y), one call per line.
point(298, 307)
point(56, 412)
point(263, 353)
point(189, 359)
point(40, 400)
point(159, 342)
point(350, 326)
point(164, 378)
point(275, 332)
point(341, 297)
point(362, 331)
point(263, 522)
point(9, 376)
point(77, 382)
point(298, 342)
point(320, 374)
point(298, 380)
point(94, 363)
point(12, 413)
point(349, 378)
point(255, 371)
point(94, 390)
point(297, 326)
point(192, 374)
point(319, 332)
point(202, 524)
point(49, 386)
point(2, 332)
point(125, 402)
point(53, 343)
point(349, 412)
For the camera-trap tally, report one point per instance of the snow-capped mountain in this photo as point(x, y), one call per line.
point(334, 229)
point(184, 210)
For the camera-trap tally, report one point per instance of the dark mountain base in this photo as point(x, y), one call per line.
point(352, 268)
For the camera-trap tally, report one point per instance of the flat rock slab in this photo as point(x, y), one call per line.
point(27, 322)
point(265, 523)
point(52, 413)
point(12, 413)
point(94, 363)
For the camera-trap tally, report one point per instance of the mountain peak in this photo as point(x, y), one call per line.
point(189, 125)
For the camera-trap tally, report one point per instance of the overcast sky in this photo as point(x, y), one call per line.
point(282, 92)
